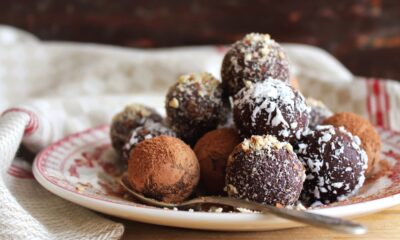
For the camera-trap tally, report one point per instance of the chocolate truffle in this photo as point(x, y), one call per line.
point(212, 151)
point(358, 126)
point(194, 106)
point(319, 112)
point(271, 107)
point(163, 168)
point(335, 164)
point(123, 123)
point(264, 170)
point(255, 58)
point(149, 130)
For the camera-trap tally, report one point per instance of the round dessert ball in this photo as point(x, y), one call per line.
point(265, 170)
point(149, 130)
point(358, 126)
point(212, 151)
point(194, 106)
point(271, 107)
point(163, 168)
point(319, 112)
point(123, 123)
point(335, 164)
point(255, 58)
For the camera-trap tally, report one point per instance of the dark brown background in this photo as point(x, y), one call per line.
point(363, 34)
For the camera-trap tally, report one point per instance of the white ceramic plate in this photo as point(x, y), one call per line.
point(82, 169)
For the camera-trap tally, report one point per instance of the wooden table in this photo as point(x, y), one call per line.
point(383, 225)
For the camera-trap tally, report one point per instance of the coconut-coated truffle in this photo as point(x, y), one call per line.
point(271, 107)
point(335, 164)
point(163, 168)
point(358, 126)
point(123, 123)
point(254, 58)
point(212, 151)
point(194, 106)
point(265, 170)
point(149, 130)
point(319, 112)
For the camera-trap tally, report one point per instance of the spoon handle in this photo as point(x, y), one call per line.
point(317, 220)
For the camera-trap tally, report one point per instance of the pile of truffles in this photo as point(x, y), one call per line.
point(251, 136)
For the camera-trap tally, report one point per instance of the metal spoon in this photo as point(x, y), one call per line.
point(317, 220)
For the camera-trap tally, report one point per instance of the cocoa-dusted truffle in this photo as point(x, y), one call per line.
point(264, 170)
point(255, 58)
point(163, 168)
point(194, 105)
point(358, 126)
point(319, 112)
point(123, 123)
point(335, 164)
point(271, 107)
point(212, 151)
point(149, 130)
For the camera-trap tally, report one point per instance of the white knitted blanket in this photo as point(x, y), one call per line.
point(53, 89)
